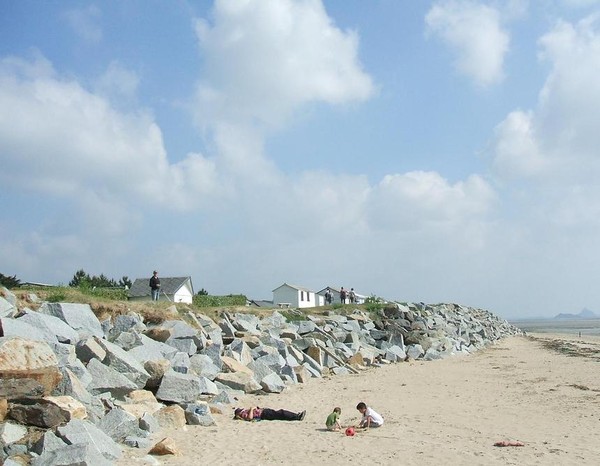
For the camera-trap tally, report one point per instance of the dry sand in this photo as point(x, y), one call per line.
point(542, 390)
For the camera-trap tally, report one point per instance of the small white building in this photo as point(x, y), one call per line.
point(174, 289)
point(288, 295)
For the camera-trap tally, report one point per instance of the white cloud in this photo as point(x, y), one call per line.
point(85, 23)
point(264, 58)
point(516, 148)
point(559, 139)
point(474, 31)
point(117, 83)
point(57, 137)
point(417, 200)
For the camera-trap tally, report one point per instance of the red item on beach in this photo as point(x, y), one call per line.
point(350, 431)
point(508, 443)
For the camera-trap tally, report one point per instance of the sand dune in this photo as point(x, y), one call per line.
point(451, 411)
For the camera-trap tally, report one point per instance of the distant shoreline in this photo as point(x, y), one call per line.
point(561, 326)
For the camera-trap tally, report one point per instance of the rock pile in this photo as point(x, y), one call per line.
point(74, 389)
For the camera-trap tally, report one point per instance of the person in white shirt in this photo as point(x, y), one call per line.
point(370, 418)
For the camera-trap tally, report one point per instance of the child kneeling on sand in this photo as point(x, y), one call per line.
point(370, 418)
point(333, 422)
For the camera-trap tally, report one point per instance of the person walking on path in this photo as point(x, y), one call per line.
point(155, 286)
point(343, 296)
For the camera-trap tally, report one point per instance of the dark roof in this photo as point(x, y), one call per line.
point(168, 285)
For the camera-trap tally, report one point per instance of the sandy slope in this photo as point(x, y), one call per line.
point(442, 412)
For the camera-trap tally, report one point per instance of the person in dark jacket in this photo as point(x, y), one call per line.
point(267, 414)
point(155, 286)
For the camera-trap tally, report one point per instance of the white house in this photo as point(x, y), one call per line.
point(174, 289)
point(295, 296)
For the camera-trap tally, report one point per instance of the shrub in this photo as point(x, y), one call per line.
point(57, 297)
point(219, 301)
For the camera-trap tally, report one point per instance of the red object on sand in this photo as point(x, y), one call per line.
point(350, 431)
point(508, 443)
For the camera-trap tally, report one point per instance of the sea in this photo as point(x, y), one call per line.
point(566, 326)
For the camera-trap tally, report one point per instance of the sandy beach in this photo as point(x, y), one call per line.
point(542, 390)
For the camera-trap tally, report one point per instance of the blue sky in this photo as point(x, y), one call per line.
point(435, 151)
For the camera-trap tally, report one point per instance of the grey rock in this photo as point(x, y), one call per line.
point(226, 397)
point(78, 432)
point(123, 362)
point(118, 424)
point(81, 454)
point(128, 340)
point(126, 323)
point(78, 316)
point(179, 388)
point(214, 353)
point(180, 362)
point(106, 379)
point(151, 350)
point(185, 345)
point(239, 381)
point(88, 349)
point(272, 383)
point(11, 432)
point(201, 364)
point(199, 414)
point(70, 385)
point(149, 423)
point(7, 309)
point(23, 329)
point(207, 386)
point(47, 442)
point(137, 442)
point(52, 327)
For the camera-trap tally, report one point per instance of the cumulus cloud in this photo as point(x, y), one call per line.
point(559, 138)
point(416, 200)
point(85, 22)
point(474, 32)
point(265, 58)
point(69, 140)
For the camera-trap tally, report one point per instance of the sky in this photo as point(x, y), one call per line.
point(424, 151)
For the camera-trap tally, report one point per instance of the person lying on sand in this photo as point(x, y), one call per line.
point(267, 414)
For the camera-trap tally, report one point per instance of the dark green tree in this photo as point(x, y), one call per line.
point(125, 282)
point(9, 282)
point(80, 279)
point(202, 292)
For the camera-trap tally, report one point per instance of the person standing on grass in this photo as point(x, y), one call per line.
point(343, 296)
point(155, 286)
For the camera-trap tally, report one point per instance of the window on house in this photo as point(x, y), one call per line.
point(302, 296)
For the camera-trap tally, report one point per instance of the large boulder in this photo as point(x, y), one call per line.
point(78, 432)
point(46, 412)
point(27, 368)
point(53, 328)
point(79, 317)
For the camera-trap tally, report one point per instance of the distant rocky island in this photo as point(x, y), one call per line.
point(584, 314)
